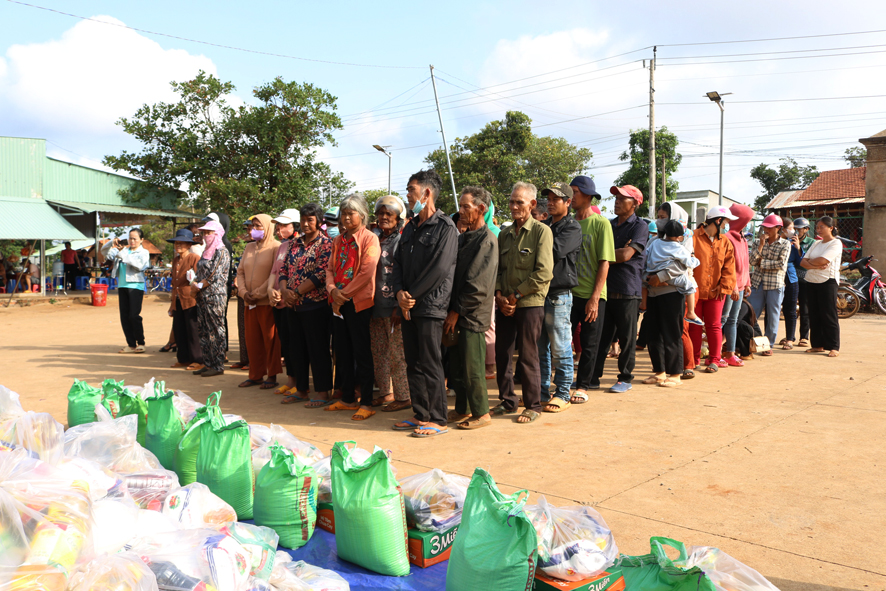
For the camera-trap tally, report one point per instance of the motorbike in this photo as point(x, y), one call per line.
point(868, 291)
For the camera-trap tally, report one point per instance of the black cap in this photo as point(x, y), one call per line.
point(561, 190)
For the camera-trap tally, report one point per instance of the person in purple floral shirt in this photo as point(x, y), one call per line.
point(304, 275)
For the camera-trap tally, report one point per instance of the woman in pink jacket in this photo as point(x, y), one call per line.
point(742, 281)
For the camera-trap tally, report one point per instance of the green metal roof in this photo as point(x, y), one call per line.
point(121, 209)
point(21, 166)
point(26, 218)
point(65, 181)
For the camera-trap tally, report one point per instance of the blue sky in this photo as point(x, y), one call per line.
point(68, 80)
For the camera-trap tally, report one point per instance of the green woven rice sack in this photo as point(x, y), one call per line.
point(286, 498)
point(370, 520)
point(164, 427)
point(224, 461)
point(82, 399)
point(185, 458)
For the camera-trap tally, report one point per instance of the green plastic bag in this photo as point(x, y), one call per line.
point(111, 396)
point(657, 572)
point(224, 461)
point(185, 459)
point(82, 399)
point(286, 498)
point(121, 401)
point(496, 546)
point(370, 519)
point(164, 427)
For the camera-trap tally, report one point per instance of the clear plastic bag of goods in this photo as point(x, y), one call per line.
point(111, 443)
point(116, 523)
point(149, 489)
point(324, 472)
point(45, 525)
point(123, 401)
point(289, 575)
point(185, 457)
point(10, 406)
point(224, 461)
point(254, 584)
point(37, 432)
point(727, 573)
point(286, 498)
point(434, 499)
point(199, 559)
point(259, 435)
point(164, 427)
point(306, 452)
point(154, 522)
point(115, 572)
point(102, 481)
point(370, 522)
point(574, 543)
point(496, 542)
point(82, 399)
point(186, 406)
point(195, 506)
point(260, 544)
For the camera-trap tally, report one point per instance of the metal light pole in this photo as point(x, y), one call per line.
point(445, 145)
point(718, 98)
point(390, 156)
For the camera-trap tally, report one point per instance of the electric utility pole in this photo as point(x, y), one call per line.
point(445, 145)
point(652, 132)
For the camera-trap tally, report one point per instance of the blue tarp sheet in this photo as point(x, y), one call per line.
point(320, 551)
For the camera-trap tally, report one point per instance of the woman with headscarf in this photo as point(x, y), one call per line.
point(252, 285)
point(350, 281)
point(385, 331)
point(210, 286)
point(732, 305)
point(225, 223)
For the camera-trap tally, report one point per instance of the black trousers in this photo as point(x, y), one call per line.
point(643, 333)
point(789, 309)
point(589, 338)
point(308, 335)
point(70, 275)
point(353, 354)
point(803, 302)
point(423, 351)
point(241, 329)
point(822, 300)
point(523, 329)
point(186, 328)
point(665, 315)
point(281, 321)
point(620, 323)
point(130, 315)
point(744, 334)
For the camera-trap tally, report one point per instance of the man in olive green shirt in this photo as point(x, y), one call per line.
point(525, 270)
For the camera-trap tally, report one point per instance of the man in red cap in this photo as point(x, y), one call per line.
point(769, 257)
point(625, 286)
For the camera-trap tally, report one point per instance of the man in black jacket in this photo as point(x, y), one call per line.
point(470, 310)
point(423, 271)
point(555, 343)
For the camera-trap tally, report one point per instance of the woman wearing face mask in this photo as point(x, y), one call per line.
point(716, 281)
point(732, 304)
point(182, 305)
point(285, 225)
point(211, 288)
point(252, 284)
point(769, 256)
point(791, 286)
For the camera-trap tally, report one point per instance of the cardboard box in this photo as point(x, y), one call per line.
point(607, 581)
point(326, 517)
point(429, 548)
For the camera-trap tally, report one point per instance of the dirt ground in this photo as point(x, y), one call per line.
point(780, 464)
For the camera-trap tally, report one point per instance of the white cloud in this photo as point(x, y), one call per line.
point(86, 80)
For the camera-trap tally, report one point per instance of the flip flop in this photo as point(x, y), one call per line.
point(249, 383)
point(435, 430)
point(177, 365)
point(397, 405)
point(529, 414)
point(282, 390)
point(411, 426)
point(339, 405)
point(767, 353)
point(194, 366)
point(473, 423)
point(381, 400)
point(669, 383)
point(290, 399)
point(362, 414)
point(269, 385)
point(652, 380)
point(310, 403)
point(688, 374)
point(559, 403)
point(454, 417)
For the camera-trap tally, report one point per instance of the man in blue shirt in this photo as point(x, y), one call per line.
point(624, 285)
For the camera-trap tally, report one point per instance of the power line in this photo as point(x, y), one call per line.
point(292, 57)
point(772, 39)
point(824, 98)
point(772, 59)
point(692, 57)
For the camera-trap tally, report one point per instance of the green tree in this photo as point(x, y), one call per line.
point(666, 155)
point(243, 160)
point(856, 157)
point(504, 152)
point(157, 232)
point(788, 175)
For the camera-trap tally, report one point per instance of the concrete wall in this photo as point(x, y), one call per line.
point(875, 199)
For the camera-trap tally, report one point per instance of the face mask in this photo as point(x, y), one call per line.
point(416, 209)
point(257, 234)
point(332, 231)
point(789, 234)
point(724, 228)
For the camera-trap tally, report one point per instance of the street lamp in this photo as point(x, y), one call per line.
point(718, 98)
point(389, 155)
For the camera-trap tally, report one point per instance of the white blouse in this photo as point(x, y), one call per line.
point(832, 251)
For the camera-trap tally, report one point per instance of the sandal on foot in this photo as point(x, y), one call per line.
point(833, 353)
point(167, 348)
point(239, 366)
point(670, 383)
point(767, 353)
point(406, 426)
point(454, 417)
point(290, 399)
point(283, 390)
point(501, 409)
point(436, 431)
point(382, 399)
point(474, 423)
point(339, 405)
point(194, 367)
point(312, 403)
point(712, 368)
point(177, 365)
point(803, 343)
point(787, 345)
point(652, 380)
point(815, 350)
point(249, 383)
point(269, 385)
point(688, 374)
point(558, 403)
point(362, 414)
point(579, 397)
point(397, 405)
point(734, 362)
point(529, 414)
